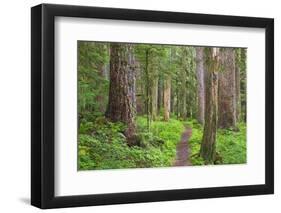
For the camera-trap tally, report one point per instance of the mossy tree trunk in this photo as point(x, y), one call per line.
point(237, 84)
point(182, 95)
point(227, 90)
point(167, 97)
point(160, 93)
point(147, 88)
point(153, 78)
point(122, 94)
point(208, 145)
point(200, 84)
point(243, 84)
point(154, 97)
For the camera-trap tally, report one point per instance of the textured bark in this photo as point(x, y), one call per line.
point(172, 102)
point(243, 84)
point(227, 90)
point(237, 91)
point(182, 95)
point(208, 145)
point(154, 98)
point(172, 89)
point(148, 90)
point(200, 84)
point(167, 98)
point(153, 79)
point(160, 94)
point(122, 97)
point(182, 100)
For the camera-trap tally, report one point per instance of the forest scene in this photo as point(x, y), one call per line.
point(156, 105)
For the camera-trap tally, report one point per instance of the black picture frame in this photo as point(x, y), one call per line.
point(43, 105)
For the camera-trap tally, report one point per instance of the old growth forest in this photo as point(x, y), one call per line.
point(152, 105)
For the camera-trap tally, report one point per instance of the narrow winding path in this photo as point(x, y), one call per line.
point(183, 149)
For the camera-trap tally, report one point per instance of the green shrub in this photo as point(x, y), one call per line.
point(230, 145)
point(102, 145)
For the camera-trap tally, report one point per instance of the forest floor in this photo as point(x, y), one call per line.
point(173, 143)
point(183, 151)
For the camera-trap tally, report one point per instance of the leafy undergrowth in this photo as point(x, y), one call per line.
point(195, 142)
point(231, 145)
point(102, 144)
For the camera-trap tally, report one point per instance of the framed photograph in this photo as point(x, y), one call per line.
point(139, 106)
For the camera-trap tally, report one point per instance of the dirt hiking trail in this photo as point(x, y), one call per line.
point(182, 158)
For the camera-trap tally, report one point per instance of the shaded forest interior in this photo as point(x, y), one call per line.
point(144, 105)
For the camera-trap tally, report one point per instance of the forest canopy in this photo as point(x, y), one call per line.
point(152, 105)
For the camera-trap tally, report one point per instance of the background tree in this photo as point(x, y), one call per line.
point(237, 82)
point(243, 83)
point(153, 76)
point(200, 84)
point(191, 86)
point(227, 90)
point(93, 72)
point(167, 76)
point(145, 58)
point(182, 83)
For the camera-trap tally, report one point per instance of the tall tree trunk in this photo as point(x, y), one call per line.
point(167, 98)
point(154, 98)
point(182, 98)
point(227, 90)
point(237, 85)
point(177, 103)
point(172, 108)
point(160, 94)
point(147, 87)
point(243, 84)
point(208, 145)
point(122, 97)
point(200, 84)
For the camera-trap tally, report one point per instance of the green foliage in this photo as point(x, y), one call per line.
point(93, 86)
point(92, 93)
point(231, 145)
point(102, 145)
point(195, 142)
